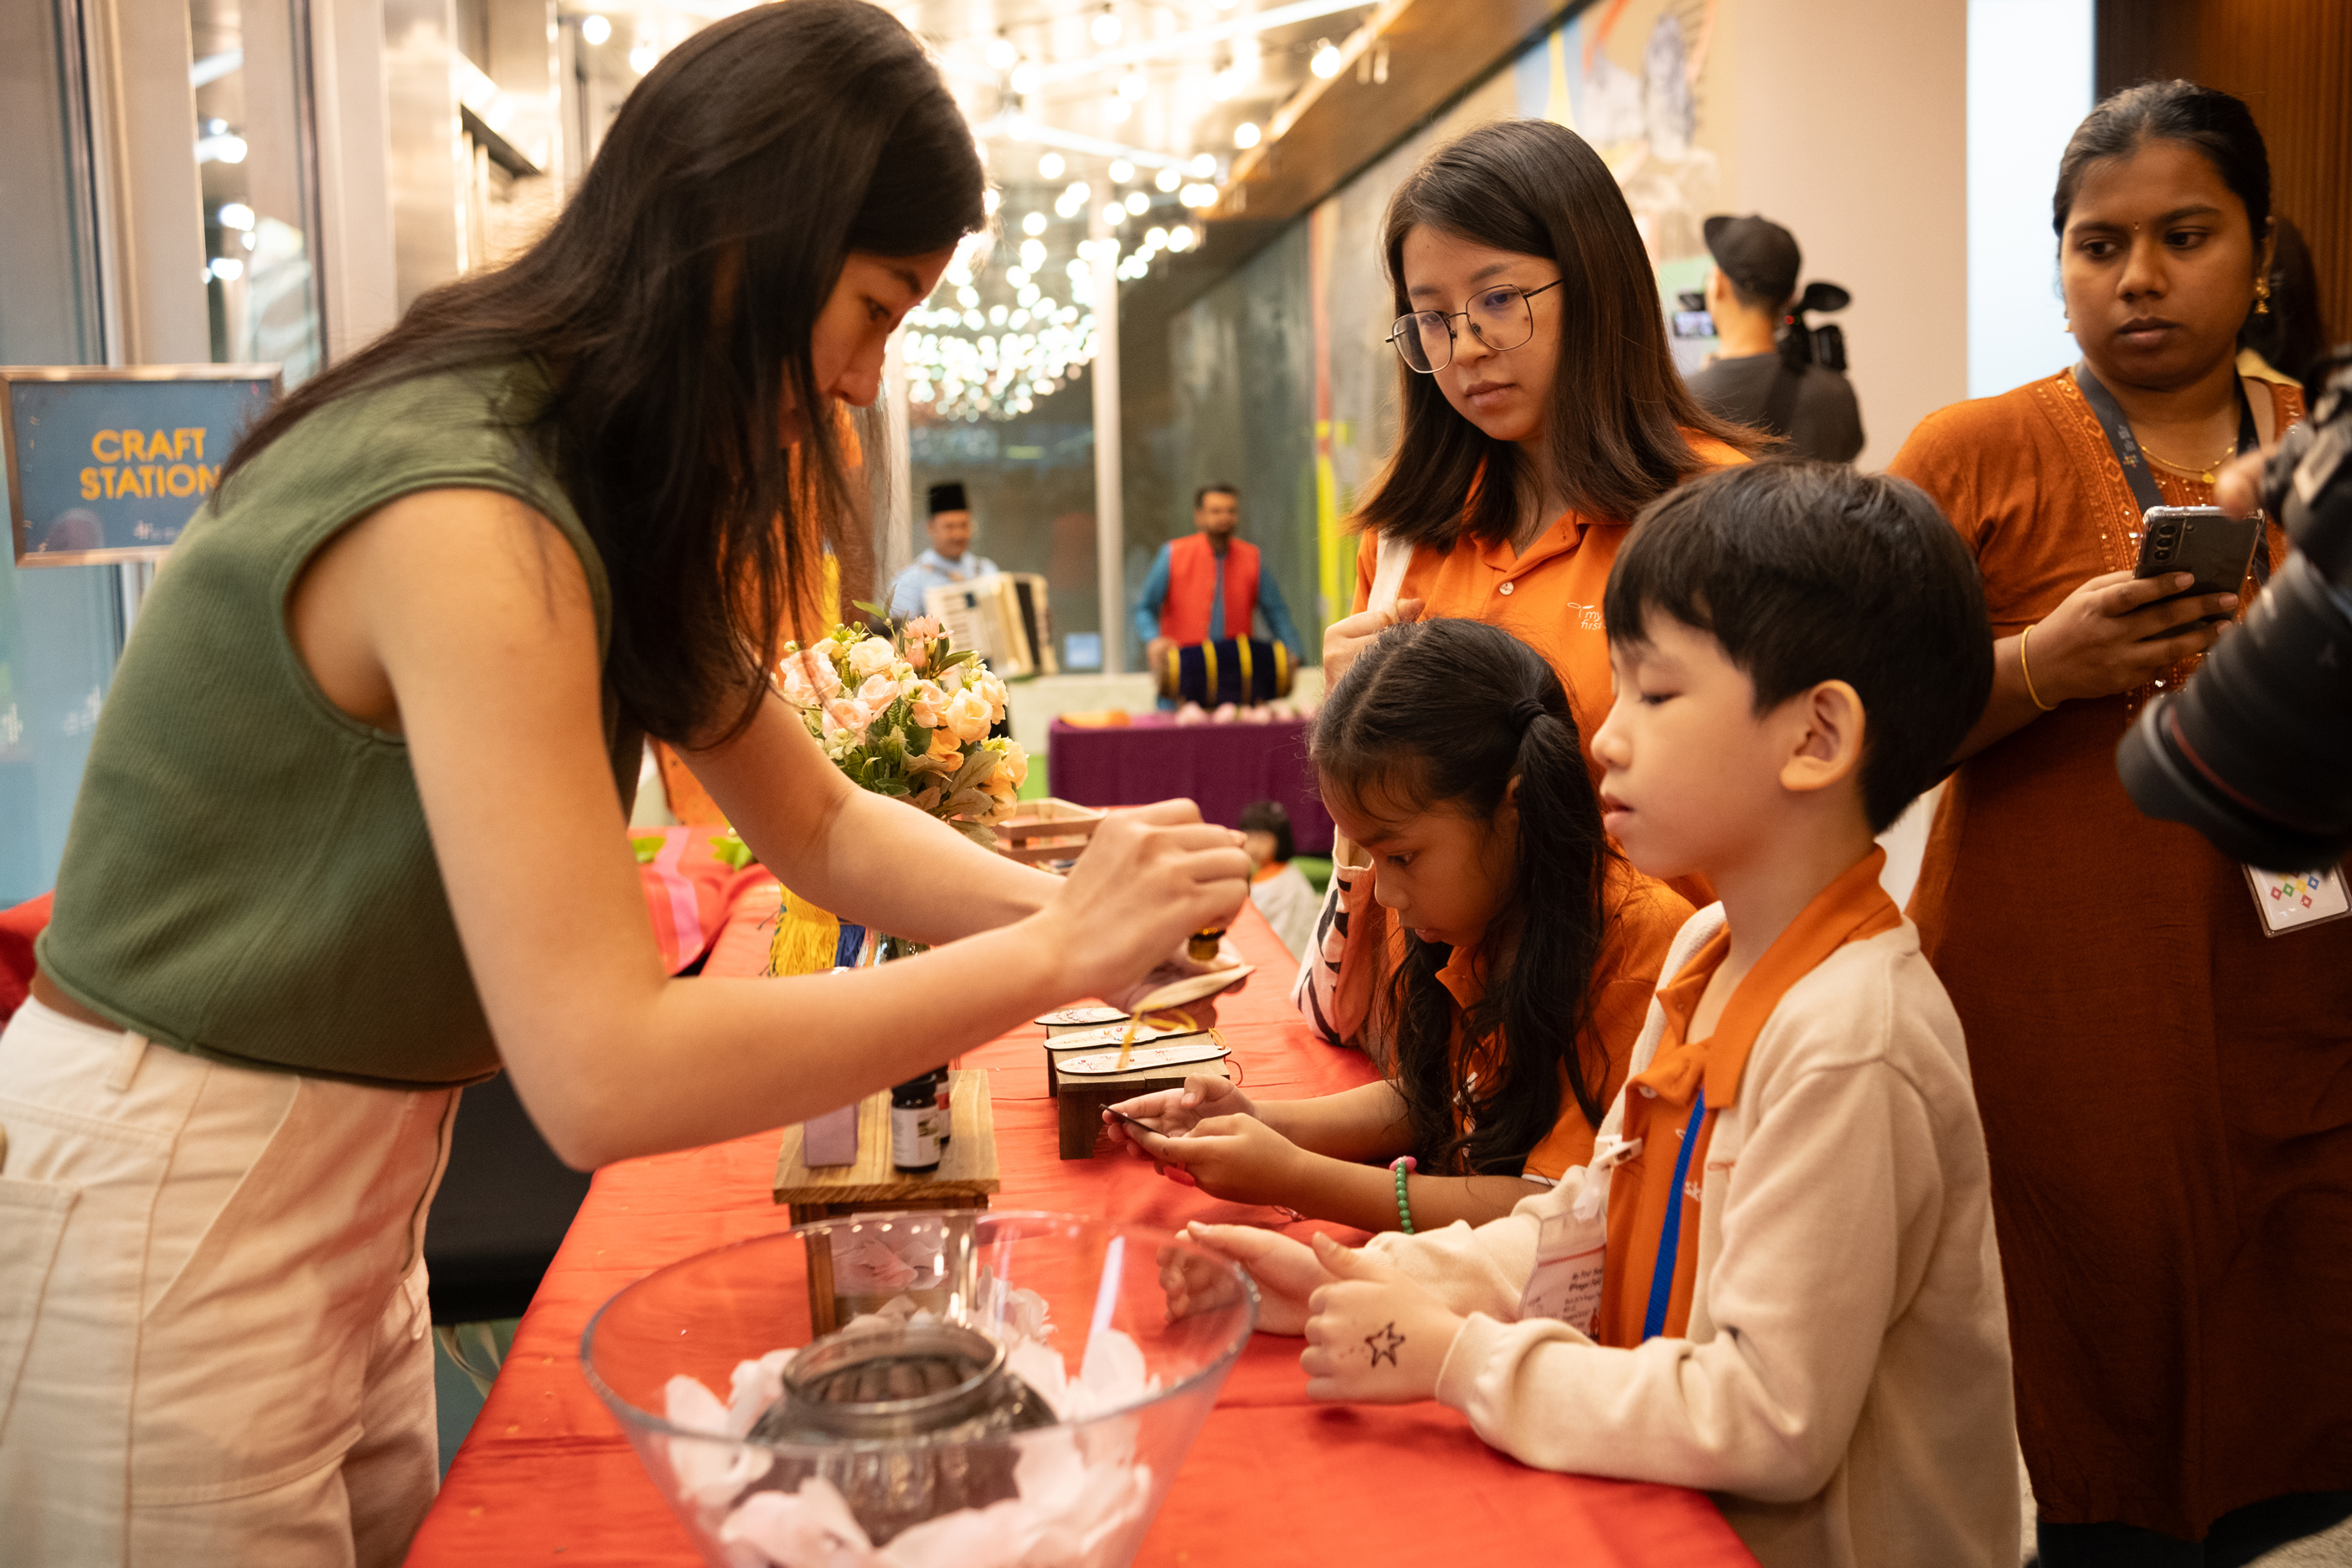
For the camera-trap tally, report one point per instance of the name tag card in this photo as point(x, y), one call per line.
point(109, 463)
point(2290, 901)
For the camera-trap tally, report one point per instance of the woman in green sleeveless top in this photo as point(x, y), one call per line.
point(350, 832)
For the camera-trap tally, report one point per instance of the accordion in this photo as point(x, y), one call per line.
point(1243, 671)
point(1004, 617)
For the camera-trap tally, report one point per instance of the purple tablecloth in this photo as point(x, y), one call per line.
point(1221, 767)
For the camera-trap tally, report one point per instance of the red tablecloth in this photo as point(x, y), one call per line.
point(546, 1476)
point(1220, 767)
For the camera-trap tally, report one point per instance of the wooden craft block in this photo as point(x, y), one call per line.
point(1088, 1042)
point(1040, 831)
point(965, 1179)
point(1083, 1098)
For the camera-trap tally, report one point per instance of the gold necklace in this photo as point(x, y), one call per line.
point(2204, 472)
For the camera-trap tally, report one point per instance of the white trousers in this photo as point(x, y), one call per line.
point(214, 1346)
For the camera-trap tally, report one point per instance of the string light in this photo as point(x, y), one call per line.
point(1324, 61)
point(1167, 180)
point(1034, 224)
point(1050, 166)
point(1002, 53)
point(594, 31)
point(1121, 170)
point(1246, 135)
point(1104, 28)
point(1205, 166)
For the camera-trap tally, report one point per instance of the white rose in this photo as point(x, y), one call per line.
point(968, 716)
point(872, 657)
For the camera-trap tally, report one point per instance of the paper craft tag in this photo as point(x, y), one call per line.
point(1566, 1284)
point(1112, 1034)
point(1082, 1017)
point(2290, 901)
point(1142, 1058)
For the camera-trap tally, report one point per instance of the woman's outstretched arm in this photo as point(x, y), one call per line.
point(496, 675)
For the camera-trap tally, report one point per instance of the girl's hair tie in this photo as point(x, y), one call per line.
point(1528, 711)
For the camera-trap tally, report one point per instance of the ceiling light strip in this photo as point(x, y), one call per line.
point(1179, 43)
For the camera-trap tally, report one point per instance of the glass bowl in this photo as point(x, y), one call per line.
point(1055, 1452)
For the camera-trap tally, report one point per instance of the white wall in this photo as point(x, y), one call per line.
point(2030, 83)
point(1844, 120)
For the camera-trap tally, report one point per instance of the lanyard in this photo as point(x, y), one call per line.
point(1662, 1278)
point(2127, 448)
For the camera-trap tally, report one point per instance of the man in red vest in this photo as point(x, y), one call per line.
point(1208, 587)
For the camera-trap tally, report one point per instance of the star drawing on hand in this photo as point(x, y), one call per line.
point(1384, 1343)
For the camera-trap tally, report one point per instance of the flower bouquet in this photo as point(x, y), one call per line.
point(909, 717)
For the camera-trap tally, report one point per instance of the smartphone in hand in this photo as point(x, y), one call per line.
point(2202, 540)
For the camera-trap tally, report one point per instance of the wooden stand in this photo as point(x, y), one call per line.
point(966, 1177)
point(1083, 1096)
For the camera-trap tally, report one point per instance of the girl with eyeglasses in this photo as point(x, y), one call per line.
point(1541, 407)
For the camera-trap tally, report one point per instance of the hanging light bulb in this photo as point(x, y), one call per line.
point(1130, 87)
point(1104, 28)
point(1168, 179)
point(1181, 237)
point(595, 29)
point(1137, 202)
point(1325, 62)
point(1225, 84)
point(1121, 170)
point(1247, 134)
point(1034, 224)
point(1205, 166)
point(1118, 110)
point(1002, 53)
point(644, 58)
point(1024, 80)
point(1049, 167)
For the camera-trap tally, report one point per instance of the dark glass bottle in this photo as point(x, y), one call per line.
point(915, 1141)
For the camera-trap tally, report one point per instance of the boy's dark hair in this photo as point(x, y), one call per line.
point(1271, 816)
point(1811, 572)
point(1453, 712)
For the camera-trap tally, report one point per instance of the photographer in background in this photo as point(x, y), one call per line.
point(1749, 381)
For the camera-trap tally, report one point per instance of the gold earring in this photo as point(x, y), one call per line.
point(2262, 296)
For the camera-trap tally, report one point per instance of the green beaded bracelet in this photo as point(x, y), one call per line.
point(1404, 1164)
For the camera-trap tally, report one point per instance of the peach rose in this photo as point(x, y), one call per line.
point(945, 747)
point(808, 678)
point(991, 690)
point(846, 718)
point(1016, 764)
point(931, 704)
point(872, 657)
point(968, 717)
point(878, 692)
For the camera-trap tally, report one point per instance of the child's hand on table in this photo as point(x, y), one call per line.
point(1284, 1270)
point(1237, 1158)
point(1174, 1113)
point(1372, 1334)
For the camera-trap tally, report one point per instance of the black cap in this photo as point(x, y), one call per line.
point(1757, 254)
point(949, 497)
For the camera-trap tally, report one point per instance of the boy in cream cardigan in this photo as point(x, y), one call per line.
point(1777, 1280)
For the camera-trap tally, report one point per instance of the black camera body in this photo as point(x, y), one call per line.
point(1801, 344)
point(2255, 751)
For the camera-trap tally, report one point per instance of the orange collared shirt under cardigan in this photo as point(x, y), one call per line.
point(1854, 908)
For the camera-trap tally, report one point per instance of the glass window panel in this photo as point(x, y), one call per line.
point(60, 625)
point(252, 148)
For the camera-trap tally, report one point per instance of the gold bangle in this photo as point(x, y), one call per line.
point(2026, 670)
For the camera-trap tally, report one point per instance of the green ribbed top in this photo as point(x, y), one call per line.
point(248, 875)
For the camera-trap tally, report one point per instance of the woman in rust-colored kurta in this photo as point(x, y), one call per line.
point(2166, 1092)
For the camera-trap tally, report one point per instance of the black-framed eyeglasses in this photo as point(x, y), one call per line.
point(1500, 318)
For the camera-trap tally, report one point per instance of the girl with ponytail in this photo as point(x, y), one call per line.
point(1520, 954)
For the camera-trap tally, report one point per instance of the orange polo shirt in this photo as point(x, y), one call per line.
point(1643, 916)
point(1548, 595)
point(1658, 1102)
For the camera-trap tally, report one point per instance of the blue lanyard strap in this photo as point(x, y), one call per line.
point(1662, 1279)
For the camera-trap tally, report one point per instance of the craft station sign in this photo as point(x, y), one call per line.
point(110, 464)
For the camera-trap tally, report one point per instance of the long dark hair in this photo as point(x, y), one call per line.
point(671, 306)
point(1619, 407)
point(2218, 125)
point(1454, 712)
